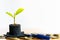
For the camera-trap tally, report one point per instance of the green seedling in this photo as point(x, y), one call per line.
point(15, 14)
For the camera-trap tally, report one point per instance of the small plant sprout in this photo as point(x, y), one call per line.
point(15, 14)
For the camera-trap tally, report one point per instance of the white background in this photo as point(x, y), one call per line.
point(39, 16)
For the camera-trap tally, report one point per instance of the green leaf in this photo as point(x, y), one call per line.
point(9, 14)
point(18, 11)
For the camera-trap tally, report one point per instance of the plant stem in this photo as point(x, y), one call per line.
point(14, 20)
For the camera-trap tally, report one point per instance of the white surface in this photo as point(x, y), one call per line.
point(39, 16)
point(2, 39)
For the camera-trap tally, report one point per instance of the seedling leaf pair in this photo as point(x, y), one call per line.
point(15, 14)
